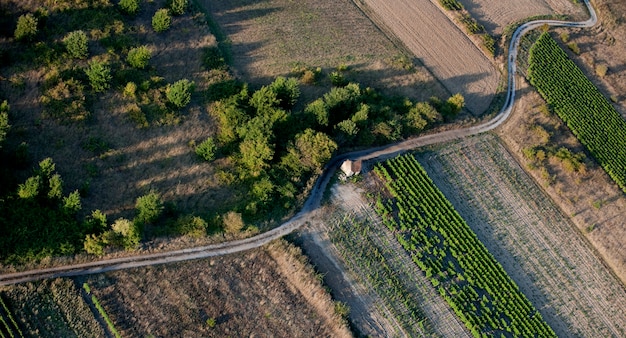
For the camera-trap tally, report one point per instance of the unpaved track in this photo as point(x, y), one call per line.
point(442, 47)
point(315, 197)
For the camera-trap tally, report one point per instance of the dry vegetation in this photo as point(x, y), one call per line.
point(268, 292)
point(553, 265)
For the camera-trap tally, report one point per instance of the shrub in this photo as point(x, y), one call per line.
point(26, 27)
point(179, 93)
point(138, 57)
point(129, 6)
point(149, 207)
point(161, 20)
point(192, 226)
point(99, 74)
point(206, 149)
point(233, 223)
point(177, 7)
point(76, 44)
point(601, 70)
point(213, 58)
point(337, 79)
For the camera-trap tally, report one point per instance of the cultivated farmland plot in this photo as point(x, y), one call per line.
point(443, 48)
point(534, 242)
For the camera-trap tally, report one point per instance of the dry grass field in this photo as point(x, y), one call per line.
point(267, 292)
point(536, 244)
point(268, 38)
point(442, 47)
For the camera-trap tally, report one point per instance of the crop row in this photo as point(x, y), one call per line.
point(459, 266)
point(8, 325)
point(102, 311)
point(579, 103)
point(351, 237)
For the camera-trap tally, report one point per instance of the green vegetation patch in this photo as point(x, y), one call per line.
point(575, 99)
point(459, 266)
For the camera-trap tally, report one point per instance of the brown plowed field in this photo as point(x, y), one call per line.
point(443, 48)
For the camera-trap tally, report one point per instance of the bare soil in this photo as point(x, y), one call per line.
point(534, 241)
point(268, 292)
point(442, 47)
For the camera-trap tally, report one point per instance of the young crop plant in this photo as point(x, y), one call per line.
point(444, 247)
point(161, 21)
point(579, 103)
point(76, 44)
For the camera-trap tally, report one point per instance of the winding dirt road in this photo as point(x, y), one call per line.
point(313, 202)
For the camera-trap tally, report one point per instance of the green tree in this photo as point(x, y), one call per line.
point(71, 203)
point(149, 207)
point(4, 121)
point(130, 7)
point(30, 188)
point(99, 74)
point(255, 153)
point(139, 57)
point(314, 148)
point(319, 110)
point(161, 20)
point(76, 44)
point(192, 226)
point(178, 7)
point(179, 93)
point(96, 222)
point(26, 27)
point(206, 149)
point(95, 244)
point(456, 102)
point(128, 232)
point(55, 187)
point(287, 91)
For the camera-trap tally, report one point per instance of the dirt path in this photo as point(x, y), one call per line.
point(444, 49)
point(529, 236)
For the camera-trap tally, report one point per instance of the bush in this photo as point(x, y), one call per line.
point(161, 20)
point(206, 149)
point(129, 6)
point(149, 207)
point(179, 93)
point(192, 226)
point(76, 44)
point(233, 223)
point(177, 7)
point(99, 74)
point(26, 27)
point(138, 57)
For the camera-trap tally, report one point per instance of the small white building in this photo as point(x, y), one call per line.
point(351, 168)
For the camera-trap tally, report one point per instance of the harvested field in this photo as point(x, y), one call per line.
point(442, 47)
point(537, 245)
point(496, 15)
point(267, 292)
point(268, 38)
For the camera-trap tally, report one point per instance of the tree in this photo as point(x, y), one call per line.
point(149, 207)
point(179, 93)
point(287, 91)
point(128, 232)
point(130, 7)
point(76, 44)
point(233, 222)
point(455, 103)
point(138, 57)
point(26, 27)
point(314, 148)
point(99, 74)
point(71, 203)
point(161, 20)
point(30, 188)
point(319, 110)
point(206, 149)
point(4, 121)
point(192, 226)
point(94, 244)
point(178, 7)
point(255, 153)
